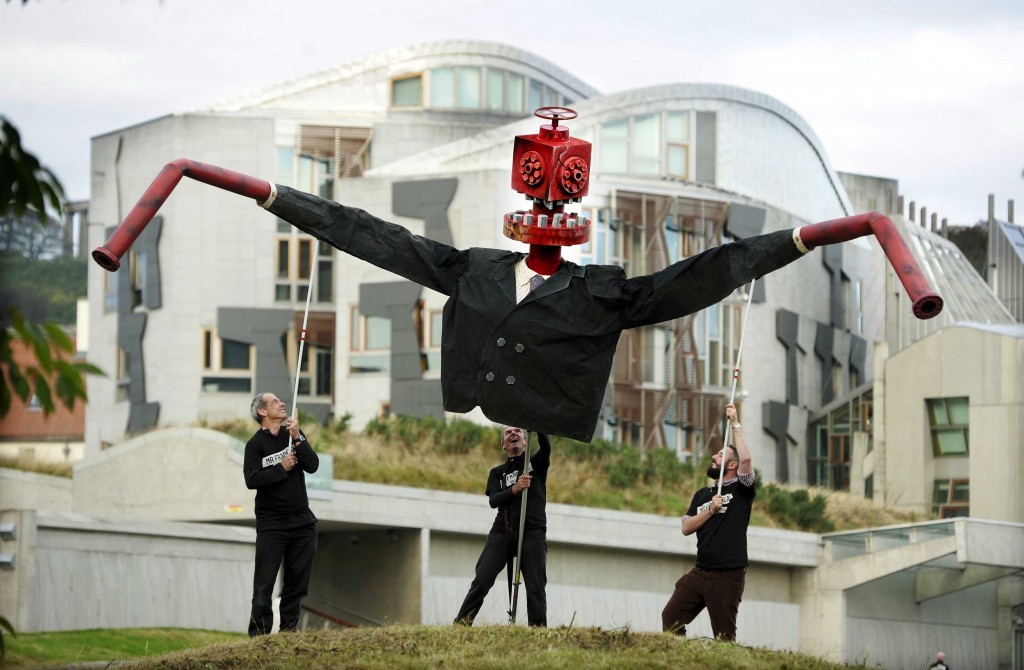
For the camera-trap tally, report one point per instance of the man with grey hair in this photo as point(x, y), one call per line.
point(275, 458)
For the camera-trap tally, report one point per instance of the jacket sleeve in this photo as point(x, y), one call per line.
point(308, 460)
point(257, 476)
point(496, 495)
point(705, 279)
point(542, 459)
point(387, 245)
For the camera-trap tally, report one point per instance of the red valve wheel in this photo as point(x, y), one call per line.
point(556, 114)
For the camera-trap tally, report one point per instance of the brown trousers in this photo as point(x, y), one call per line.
point(720, 591)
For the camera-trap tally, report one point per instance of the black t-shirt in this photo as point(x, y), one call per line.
point(938, 665)
point(281, 500)
point(722, 540)
point(499, 490)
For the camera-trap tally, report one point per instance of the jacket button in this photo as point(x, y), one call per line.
point(520, 348)
point(510, 380)
point(490, 377)
point(501, 341)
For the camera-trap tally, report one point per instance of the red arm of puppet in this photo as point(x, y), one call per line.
point(926, 302)
point(109, 256)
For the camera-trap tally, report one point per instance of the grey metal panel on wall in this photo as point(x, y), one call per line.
point(823, 349)
point(131, 325)
point(411, 395)
point(745, 221)
point(832, 259)
point(707, 148)
point(428, 200)
point(775, 418)
point(787, 325)
point(265, 330)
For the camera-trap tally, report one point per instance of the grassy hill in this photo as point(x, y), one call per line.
point(428, 647)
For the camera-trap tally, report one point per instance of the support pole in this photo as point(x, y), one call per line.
point(735, 378)
point(305, 319)
point(522, 531)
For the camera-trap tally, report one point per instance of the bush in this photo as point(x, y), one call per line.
point(796, 508)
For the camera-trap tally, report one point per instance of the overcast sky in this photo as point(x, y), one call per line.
point(930, 92)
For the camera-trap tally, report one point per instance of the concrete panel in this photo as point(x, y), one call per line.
point(899, 644)
point(31, 490)
point(84, 572)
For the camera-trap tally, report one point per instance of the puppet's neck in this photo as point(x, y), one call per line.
point(544, 259)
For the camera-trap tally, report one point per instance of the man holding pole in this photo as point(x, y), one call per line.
point(275, 458)
point(515, 533)
point(720, 519)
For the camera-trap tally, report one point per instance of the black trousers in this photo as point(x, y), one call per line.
point(718, 590)
point(295, 548)
point(493, 558)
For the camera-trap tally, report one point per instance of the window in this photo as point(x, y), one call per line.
point(442, 87)
point(469, 88)
point(614, 142)
point(951, 498)
point(433, 340)
point(137, 265)
point(647, 144)
point(948, 419)
point(370, 343)
point(495, 89)
point(407, 91)
point(533, 96)
point(227, 364)
point(516, 93)
point(294, 254)
point(315, 371)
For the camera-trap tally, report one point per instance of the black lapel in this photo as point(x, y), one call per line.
point(504, 274)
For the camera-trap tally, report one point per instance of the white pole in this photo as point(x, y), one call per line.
point(522, 531)
point(735, 378)
point(305, 318)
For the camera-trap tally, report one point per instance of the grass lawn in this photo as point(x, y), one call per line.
point(41, 650)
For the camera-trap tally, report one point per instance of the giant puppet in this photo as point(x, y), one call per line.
point(542, 363)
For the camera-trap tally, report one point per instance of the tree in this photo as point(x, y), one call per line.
point(28, 187)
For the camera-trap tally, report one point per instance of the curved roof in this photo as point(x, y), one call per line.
point(490, 149)
point(449, 51)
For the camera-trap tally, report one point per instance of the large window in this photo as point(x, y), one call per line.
point(226, 364)
point(294, 254)
point(370, 343)
point(657, 144)
point(473, 87)
point(407, 91)
point(948, 420)
point(830, 451)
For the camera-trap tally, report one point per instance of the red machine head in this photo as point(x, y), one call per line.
point(551, 169)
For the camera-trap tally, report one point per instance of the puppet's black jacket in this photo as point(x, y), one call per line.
point(543, 364)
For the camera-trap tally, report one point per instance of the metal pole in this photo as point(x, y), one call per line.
point(735, 378)
point(522, 530)
point(305, 318)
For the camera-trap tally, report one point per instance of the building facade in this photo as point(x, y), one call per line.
point(207, 307)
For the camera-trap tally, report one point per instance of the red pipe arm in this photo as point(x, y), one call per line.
point(109, 256)
point(926, 302)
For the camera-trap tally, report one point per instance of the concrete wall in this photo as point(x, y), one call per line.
point(988, 368)
point(31, 490)
point(886, 622)
point(76, 572)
